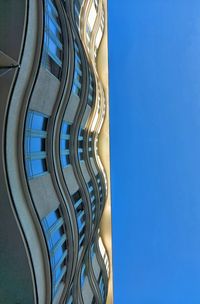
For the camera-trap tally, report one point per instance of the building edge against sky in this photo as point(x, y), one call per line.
point(55, 215)
point(104, 150)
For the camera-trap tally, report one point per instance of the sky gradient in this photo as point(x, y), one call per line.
point(154, 59)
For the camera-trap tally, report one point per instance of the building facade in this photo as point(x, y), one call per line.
point(55, 218)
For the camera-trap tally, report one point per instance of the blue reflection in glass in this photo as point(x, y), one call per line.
point(51, 218)
point(58, 254)
point(36, 125)
point(53, 27)
point(37, 166)
point(36, 144)
point(38, 122)
point(64, 144)
point(56, 241)
point(83, 275)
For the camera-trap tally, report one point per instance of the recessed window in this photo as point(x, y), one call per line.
point(80, 215)
point(99, 182)
point(102, 287)
point(91, 90)
point(53, 49)
point(92, 198)
point(76, 196)
point(53, 226)
point(92, 251)
point(77, 9)
point(35, 144)
point(65, 144)
point(80, 144)
point(90, 146)
point(77, 83)
point(83, 274)
point(93, 300)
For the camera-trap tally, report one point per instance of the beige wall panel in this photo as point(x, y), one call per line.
point(44, 196)
point(45, 92)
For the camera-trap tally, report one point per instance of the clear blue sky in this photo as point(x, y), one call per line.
point(155, 150)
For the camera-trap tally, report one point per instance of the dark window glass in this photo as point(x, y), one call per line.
point(52, 53)
point(80, 215)
point(76, 196)
point(65, 144)
point(91, 90)
point(57, 244)
point(77, 83)
point(80, 144)
point(102, 286)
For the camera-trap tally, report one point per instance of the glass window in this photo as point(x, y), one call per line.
point(38, 166)
point(65, 144)
point(92, 251)
point(51, 218)
point(80, 215)
point(51, 8)
point(77, 9)
point(91, 90)
point(58, 254)
point(54, 28)
point(90, 146)
point(52, 47)
point(57, 245)
point(38, 122)
point(83, 274)
point(76, 196)
point(102, 287)
point(35, 141)
point(77, 82)
point(98, 178)
point(52, 53)
point(92, 198)
point(35, 144)
point(56, 235)
point(80, 144)
point(65, 160)
point(65, 129)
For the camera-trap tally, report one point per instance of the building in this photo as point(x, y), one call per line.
point(55, 218)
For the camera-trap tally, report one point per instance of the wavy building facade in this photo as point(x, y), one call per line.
point(55, 218)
